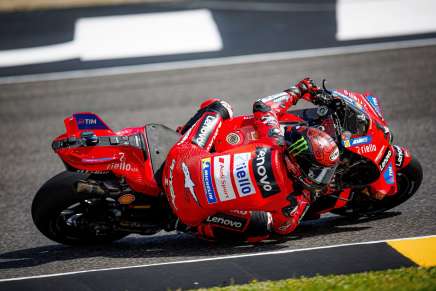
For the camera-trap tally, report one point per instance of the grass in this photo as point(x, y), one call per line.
point(398, 279)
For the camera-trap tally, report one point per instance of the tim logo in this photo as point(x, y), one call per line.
point(263, 172)
point(86, 121)
point(89, 121)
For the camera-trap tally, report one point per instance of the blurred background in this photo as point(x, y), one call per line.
point(46, 36)
point(137, 61)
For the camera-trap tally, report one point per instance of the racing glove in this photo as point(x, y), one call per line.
point(308, 89)
point(328, 100)
point(290, 216)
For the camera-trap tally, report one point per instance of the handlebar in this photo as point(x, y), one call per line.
point(324, 81)
point(324, 97)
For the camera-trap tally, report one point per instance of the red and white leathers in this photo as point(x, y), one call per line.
point(200, 184)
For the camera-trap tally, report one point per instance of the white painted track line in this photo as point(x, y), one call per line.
point(145, 35)
point(127, 36)
point(43, 54)
point(224, 61)
point(357, 19)
point(215, 258)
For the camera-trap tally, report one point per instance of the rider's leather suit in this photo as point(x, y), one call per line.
point(202, 186)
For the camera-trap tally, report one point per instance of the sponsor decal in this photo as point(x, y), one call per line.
point(222, 178)
point(345, 136)
point(380, 153)
point(205, 129)
point(170, 184)
point(189, 184)
point(214, 136)
point(270, 120)
point(373, 101)
point(233, 138)
point(241, 174)
point(389, 175)
point(298, 147)
point(97, 160)
point(385, 160)
point(240, 212)
point(228, 221)
point(334, 155)
point(399, 156)
point(228, 107)
point(206, 173)
point(276, 98)
point(89, 121)
point(364, 149)
point(92, 172)
point(356, 141)
point(303, 214)
point(263, 173)
point(122, 165)
point(350, 101)
point(346, 143)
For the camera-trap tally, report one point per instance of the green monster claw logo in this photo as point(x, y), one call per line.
point(298, 147)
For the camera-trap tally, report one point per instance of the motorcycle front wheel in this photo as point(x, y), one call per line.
point(408, 181)
point(68, 217)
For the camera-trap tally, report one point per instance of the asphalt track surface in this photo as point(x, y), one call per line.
point(31, 115)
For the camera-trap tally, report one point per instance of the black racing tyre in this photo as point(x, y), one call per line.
point(408, 180)
point(54, 198)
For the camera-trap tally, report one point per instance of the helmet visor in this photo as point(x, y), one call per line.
point(321, 175)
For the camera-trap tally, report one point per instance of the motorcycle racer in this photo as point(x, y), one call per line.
point(280, 173)
point(236, 179)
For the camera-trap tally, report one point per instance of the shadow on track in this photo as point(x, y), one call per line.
point(178, 245)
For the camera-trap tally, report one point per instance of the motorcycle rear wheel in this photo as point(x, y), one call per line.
point(57, 199)
point(408, 180)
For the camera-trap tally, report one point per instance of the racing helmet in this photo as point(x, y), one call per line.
point(313, 156)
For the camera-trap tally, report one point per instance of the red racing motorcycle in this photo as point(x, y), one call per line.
point(111, 186)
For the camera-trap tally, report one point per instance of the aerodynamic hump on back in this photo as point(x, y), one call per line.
point(86, 121)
